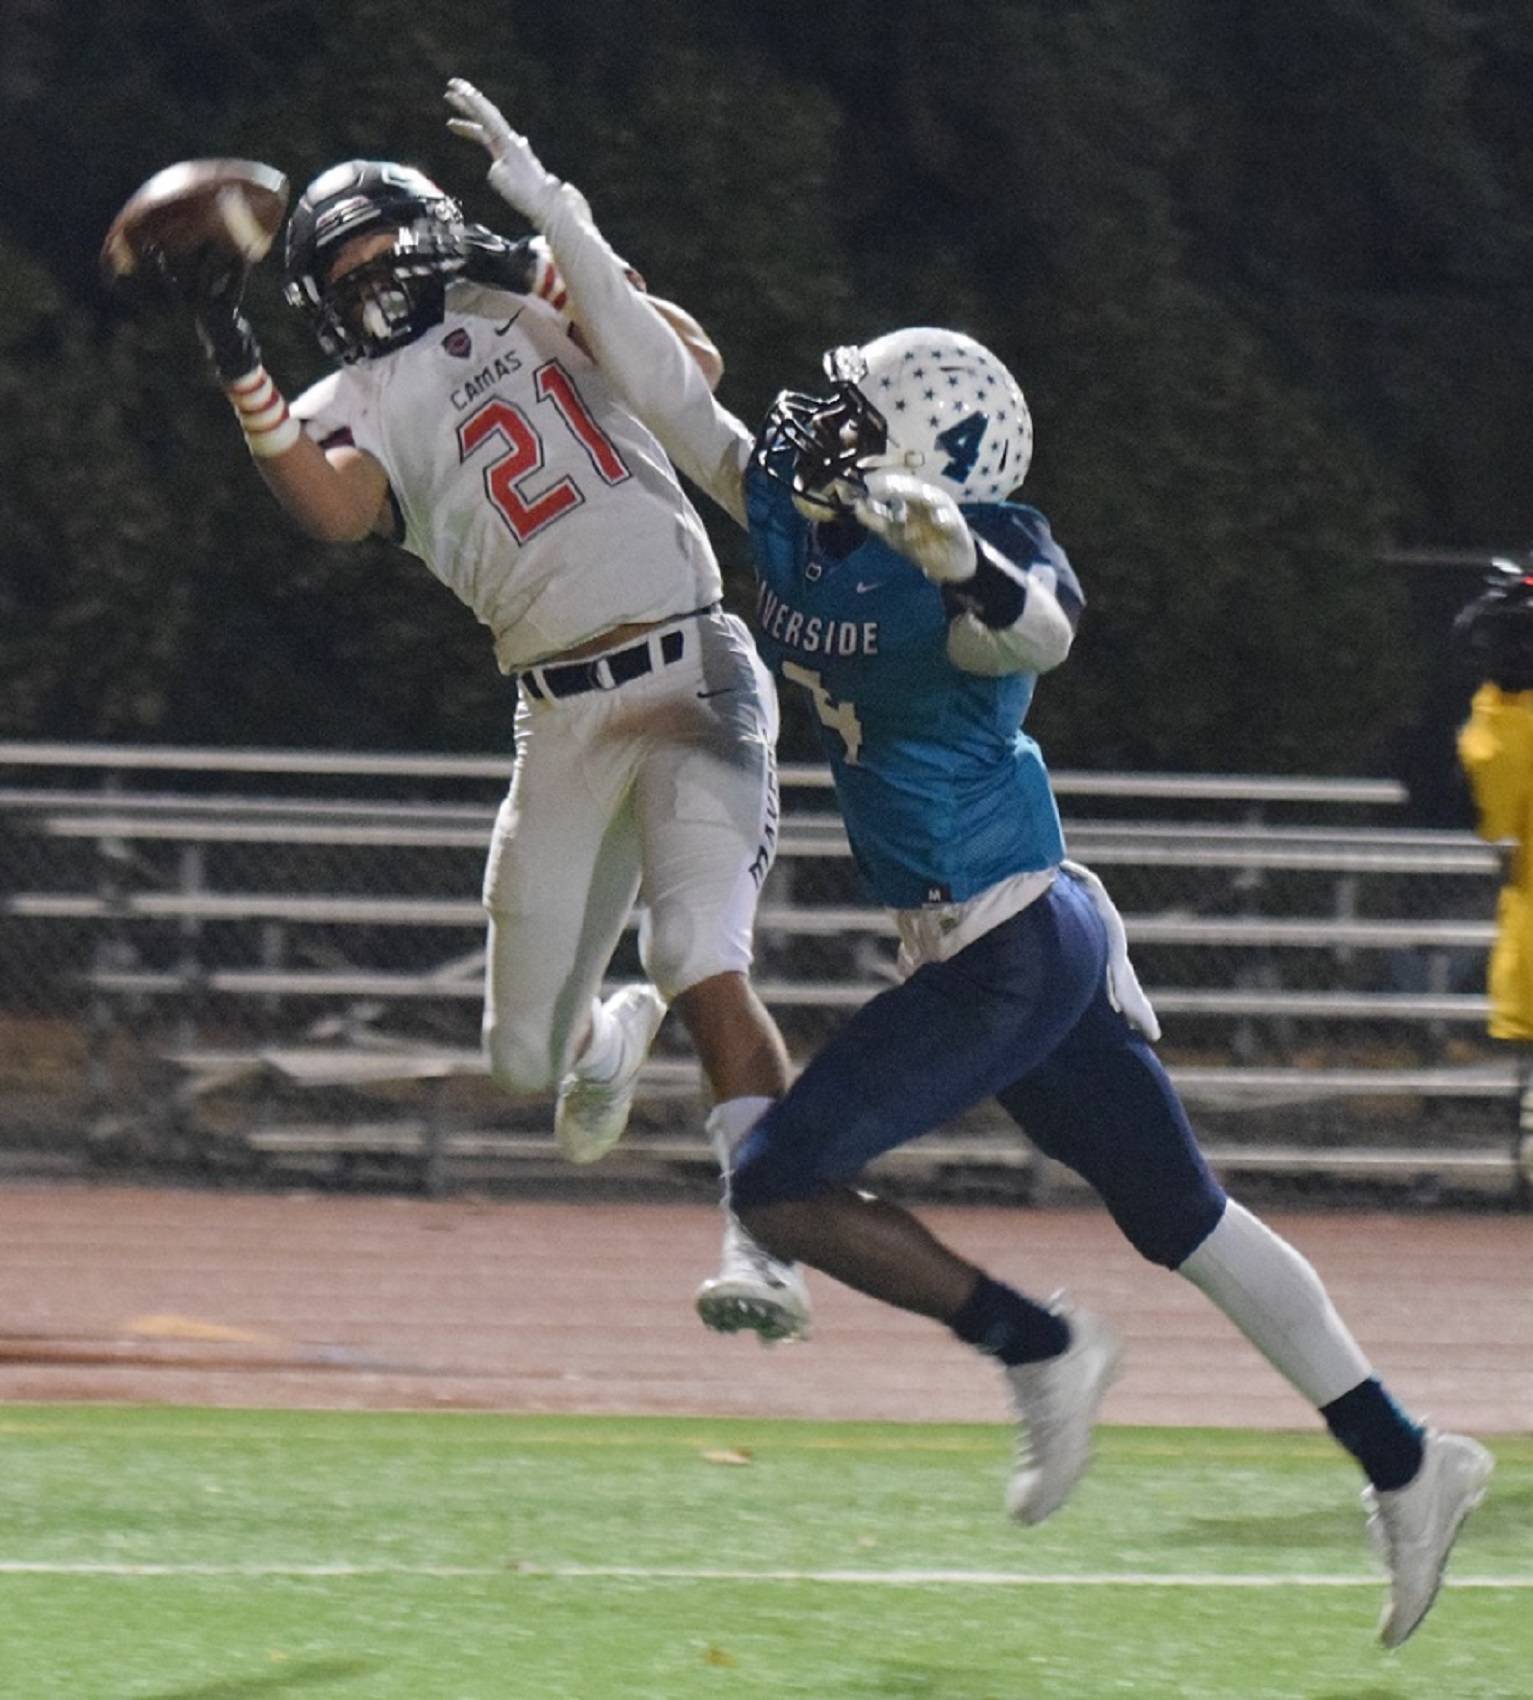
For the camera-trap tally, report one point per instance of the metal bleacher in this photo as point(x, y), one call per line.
point(273, 972)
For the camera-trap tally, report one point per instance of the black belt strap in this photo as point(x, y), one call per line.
point(574, 678)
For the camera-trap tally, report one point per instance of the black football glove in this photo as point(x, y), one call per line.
point(211, 283)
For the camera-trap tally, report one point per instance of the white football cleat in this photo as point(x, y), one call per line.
point(1414, 1527)
point(1056, 1401)
point(592, 1114)
point(754, 1292)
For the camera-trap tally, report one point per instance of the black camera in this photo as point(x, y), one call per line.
point(1495, 632)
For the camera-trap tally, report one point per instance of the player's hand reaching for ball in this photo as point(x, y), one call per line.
point(516, 174)
point(211, 283)
point(919, 520)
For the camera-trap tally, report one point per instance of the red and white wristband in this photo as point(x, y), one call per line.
point(262, 412)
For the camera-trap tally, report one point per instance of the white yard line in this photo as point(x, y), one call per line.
point(668, 1573)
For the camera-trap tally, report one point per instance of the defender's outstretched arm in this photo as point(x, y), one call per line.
point(641, 355)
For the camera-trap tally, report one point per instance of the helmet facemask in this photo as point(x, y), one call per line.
point(818, 445)
point(389, 300)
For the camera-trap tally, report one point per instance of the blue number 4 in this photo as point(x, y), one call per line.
point(962, 443)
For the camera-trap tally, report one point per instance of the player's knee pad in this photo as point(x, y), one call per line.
point(1166, 1226)
point(520, 1056)
point(681, 949)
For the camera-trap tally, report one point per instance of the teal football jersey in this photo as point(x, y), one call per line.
point(942, 791)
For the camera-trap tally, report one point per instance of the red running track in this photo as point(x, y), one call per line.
point(189, 1297)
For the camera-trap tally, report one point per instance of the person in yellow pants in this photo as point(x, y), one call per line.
point(1495, 747)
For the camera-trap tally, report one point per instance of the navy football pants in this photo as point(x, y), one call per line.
point(1022, 1015)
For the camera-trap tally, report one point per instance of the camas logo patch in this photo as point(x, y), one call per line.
point(458, 343)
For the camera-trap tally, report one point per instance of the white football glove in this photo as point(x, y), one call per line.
point(919, 520)
point(517, 175)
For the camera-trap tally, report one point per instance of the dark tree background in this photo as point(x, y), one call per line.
point(1264, 272)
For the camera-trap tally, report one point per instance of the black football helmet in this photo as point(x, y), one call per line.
point(398, 295)
point(1495, 632)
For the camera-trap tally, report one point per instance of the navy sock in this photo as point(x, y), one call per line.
point(1377, 1433)
point(999, 1321)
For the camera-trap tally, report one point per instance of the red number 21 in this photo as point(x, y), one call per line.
point(526, 514)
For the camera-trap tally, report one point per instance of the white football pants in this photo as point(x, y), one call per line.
point(663, 790)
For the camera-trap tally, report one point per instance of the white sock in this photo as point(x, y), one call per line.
point(729, 1122)
point(1274, 1297)
point(603, 1053)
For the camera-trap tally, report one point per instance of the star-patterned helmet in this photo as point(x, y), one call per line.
point(953, 414)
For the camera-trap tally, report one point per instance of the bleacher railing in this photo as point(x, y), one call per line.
point(184, 930)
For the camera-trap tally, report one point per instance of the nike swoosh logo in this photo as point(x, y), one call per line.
point(500, 330)
point(863, 589)
point(724, 691)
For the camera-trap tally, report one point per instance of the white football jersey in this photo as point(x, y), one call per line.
point(523, 484)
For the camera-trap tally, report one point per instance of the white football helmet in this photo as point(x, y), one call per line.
point(954, 415)
point(930, 402)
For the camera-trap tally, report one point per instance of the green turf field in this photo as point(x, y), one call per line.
point(158, 1554)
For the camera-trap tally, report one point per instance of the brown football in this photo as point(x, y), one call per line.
point(232, 203)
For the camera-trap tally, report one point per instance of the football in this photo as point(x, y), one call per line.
point(234, 204)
